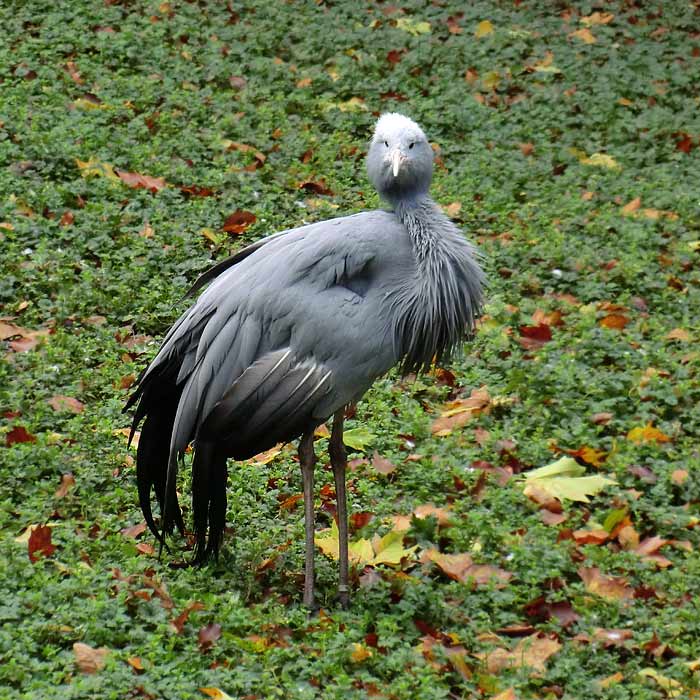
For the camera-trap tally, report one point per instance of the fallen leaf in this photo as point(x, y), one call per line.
point(313, 187)
point(614, 321)
point(358, 438)
point(484, 28)
point(304, 82)
point(216, 694)
point(39, 543)
point(134, 530)
point(239, 221)
point(61, 403)
point(648, 433)
point(533, 337)
point(612, 637)
point(452, 210)
point(598, 536)
point(679, 476)
point(67, 483)
point(382, 464)
point(532, 652)
point(178, 624)
point(18, 434)
point(563, 479)
point(680, 334)
point(145, 548)
point(360, 653)
point(608, 587)
point(461, 567)
point(610, 680)
point(598, 18)
point(456, 413)
point(135, 663)
point(208, 635)
point(508, 694)
point(138, 181)
point(88, 659)
point(412, 26)
point(585, 35)
point(94, 167)
point(600, 160)
point(442, 515)
point(671, 687)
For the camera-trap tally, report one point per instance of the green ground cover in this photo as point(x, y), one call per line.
point(569, 142)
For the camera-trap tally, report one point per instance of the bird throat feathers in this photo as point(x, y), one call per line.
point(436, 310)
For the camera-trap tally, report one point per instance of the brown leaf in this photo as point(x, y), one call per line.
point(549, 517)
point(598, 18)
point(197, 190)
point(67, 483)
point(614, 321)
point(315, 187)
point(138, 181)
point(359, 520)
point(74, 73)
point(382, 464)
point(394, 56)
point(608, 587)
point(602, 418)
point(532, 652)
point(145, 548)
point(291, 502)
point(527, 149)
point(442, 515)
point(533, 337)
point(39, 543)
point(239, 221)
point(178, 624)
point(18, 434)
point(461, 567)
point(135, 663)
point(134, 531)
point(612, 637)
point(679, 476)
point(456, 413)
point(304, 82)
point(208, 635)
point(64, 404)
point(237, 82)
point(680, 334)
point(89, 659)
point(631, 207)
point(67, 219)
point(585, 35)
point(590, 536)
point(452, 210)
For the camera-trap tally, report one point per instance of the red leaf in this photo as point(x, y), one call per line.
point(533, 337)
point(18, 434)
point(39, 543)
point(146, 182)
point(684, 143)
point(239, 221)
point(208, 635)
point(359, 520)
point(67, 219)
point(66, 403)
point(394, 56)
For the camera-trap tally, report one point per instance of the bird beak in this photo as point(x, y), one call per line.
point(396, 158)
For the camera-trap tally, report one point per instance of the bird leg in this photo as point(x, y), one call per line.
point(307, 459)
point(338, 456)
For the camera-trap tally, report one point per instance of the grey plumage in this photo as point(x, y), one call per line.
point(296, 326)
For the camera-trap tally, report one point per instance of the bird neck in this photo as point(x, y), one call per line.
point(437, 306)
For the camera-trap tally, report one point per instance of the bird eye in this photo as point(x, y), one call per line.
point(386, 143)
point(412, 144)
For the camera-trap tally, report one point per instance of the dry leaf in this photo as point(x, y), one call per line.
point(360, 653)
point(382, 464)
point(138, 181)
point(67, 483)
point(66, 403)
point(484, 28)
point(585, 35)
point(39, 543)
point(532, 651)
point(239, 221)
point(614, 321)
point(608, 587)
point(680, 334)
point(598, 18)
point(89, 659)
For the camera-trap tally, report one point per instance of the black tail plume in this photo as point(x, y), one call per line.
point(209, 478)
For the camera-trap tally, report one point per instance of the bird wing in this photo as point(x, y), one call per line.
point(268, 340)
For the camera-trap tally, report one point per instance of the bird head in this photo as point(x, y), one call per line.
point(400, 159)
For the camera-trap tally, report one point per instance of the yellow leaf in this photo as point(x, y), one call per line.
point(95, 167)
point(390, 550)
point(631, 207)
point(679, 334)
point(491, 79)
point(648, 433)
point(82, 103)
point(360, 653)
point(267, 456)
point(585, 35)
point(598, 18)
point(562, 480)
point(360, 552)
point(354, 104)
point(601, 160)
point(625, 102)
point(610, 680)
point(216, 693)
point(412, 26)
point(671, 687)
point(484, 28)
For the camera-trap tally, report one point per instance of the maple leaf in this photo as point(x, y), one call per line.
point(18, 434)
point(88, 659)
